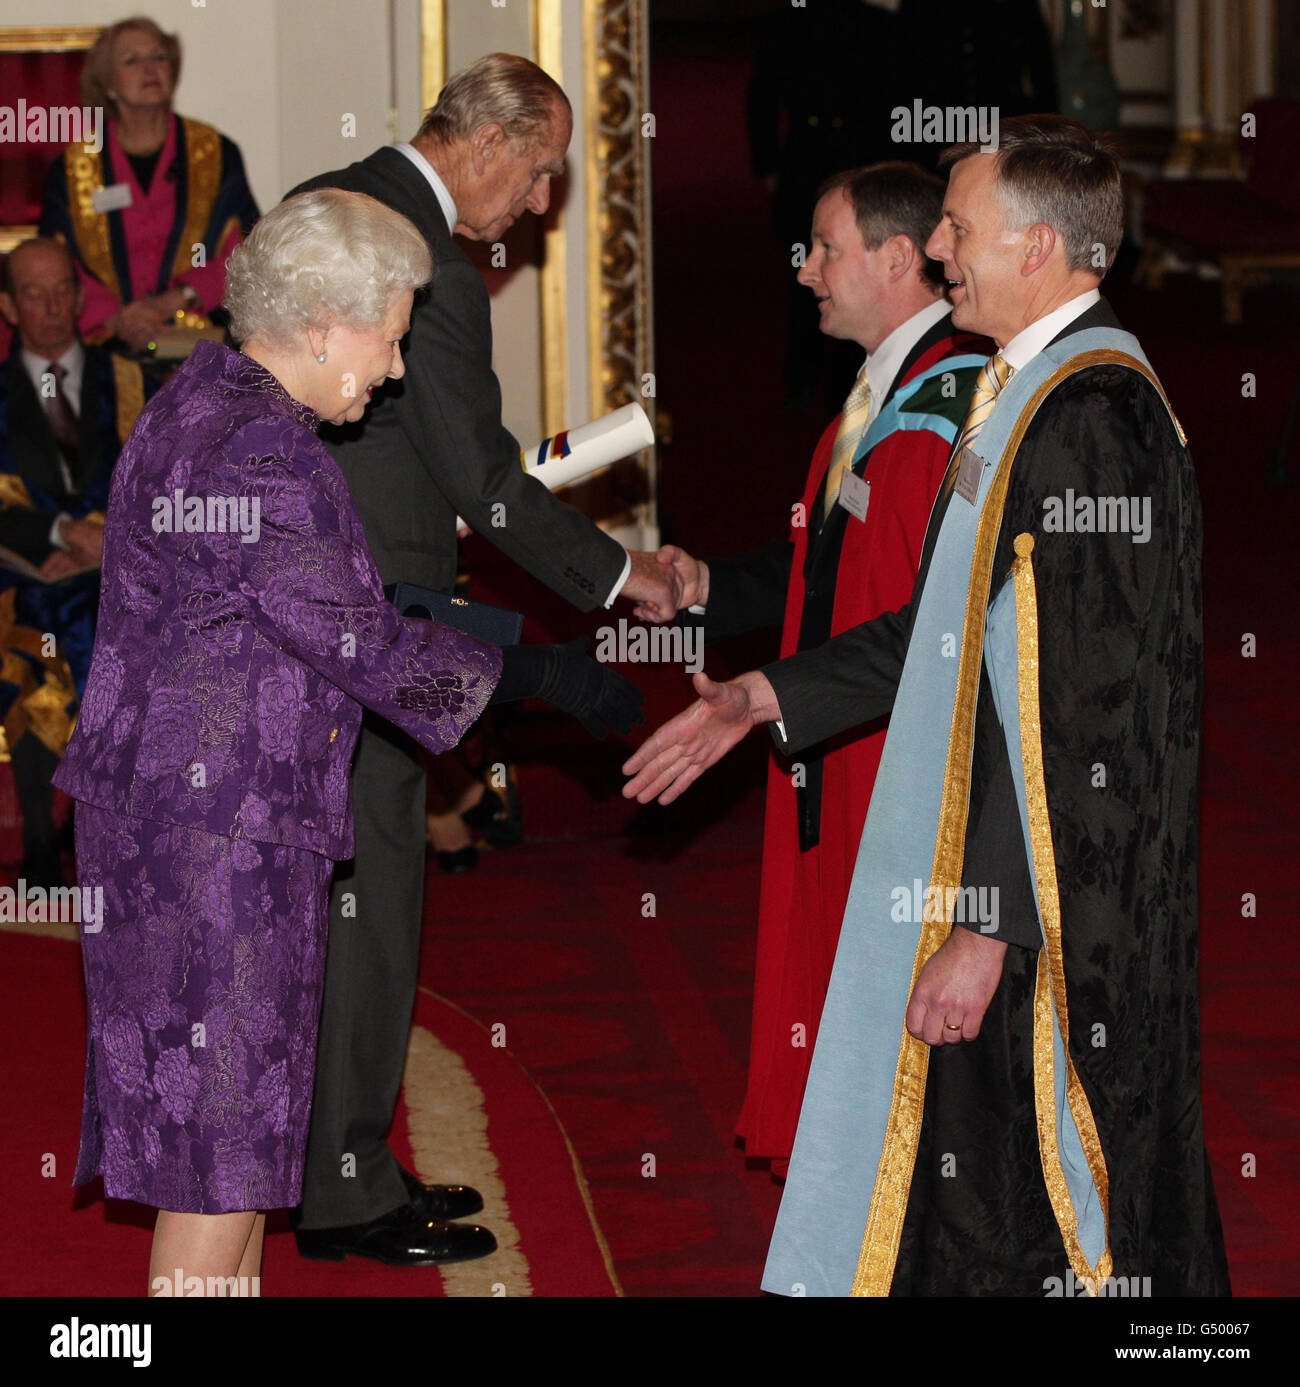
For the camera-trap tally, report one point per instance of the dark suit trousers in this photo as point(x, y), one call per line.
point(376, 907)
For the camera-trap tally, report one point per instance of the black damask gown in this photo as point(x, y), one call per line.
point(1119, 627)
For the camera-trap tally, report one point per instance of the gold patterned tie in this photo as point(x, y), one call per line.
point(853, 422)
point(993, 375)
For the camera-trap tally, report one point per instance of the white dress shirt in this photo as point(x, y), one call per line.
point(449, 211)
point(883, 364)
point(73, 362)
point(434, 181)
point(1027, 343)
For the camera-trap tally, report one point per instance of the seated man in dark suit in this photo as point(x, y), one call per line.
point(65, 409)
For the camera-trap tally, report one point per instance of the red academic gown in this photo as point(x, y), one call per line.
point(803, 894)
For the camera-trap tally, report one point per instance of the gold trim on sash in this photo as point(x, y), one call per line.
point(1049, 989)
point(203, 179)
point(889, 1196)
point(85, 172)
point(128, 381)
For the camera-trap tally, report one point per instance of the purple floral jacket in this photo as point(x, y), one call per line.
point(242, 625)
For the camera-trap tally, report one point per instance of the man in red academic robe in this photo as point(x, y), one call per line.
point(853, 551)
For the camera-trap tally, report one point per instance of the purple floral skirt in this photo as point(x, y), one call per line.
point(203, 992)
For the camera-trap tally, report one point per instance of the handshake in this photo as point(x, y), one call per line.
point(673, 757)
point(662, 583)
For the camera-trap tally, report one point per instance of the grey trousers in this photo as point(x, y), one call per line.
point(376, 909)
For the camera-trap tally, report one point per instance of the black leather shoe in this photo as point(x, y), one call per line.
point(404, 1238)
point(442, 1201)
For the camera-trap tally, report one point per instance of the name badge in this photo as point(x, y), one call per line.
point(969, 471)
point(115, 198)
point(854, 495)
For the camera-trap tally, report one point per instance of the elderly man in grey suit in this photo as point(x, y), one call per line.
point(435, 447)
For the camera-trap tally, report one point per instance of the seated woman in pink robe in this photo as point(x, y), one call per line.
point(154, 215)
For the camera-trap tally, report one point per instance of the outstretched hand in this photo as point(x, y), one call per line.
point(675, 755)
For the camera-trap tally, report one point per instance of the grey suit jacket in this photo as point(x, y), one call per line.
point(432, 445)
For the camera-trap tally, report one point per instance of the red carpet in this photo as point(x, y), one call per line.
point(465, 1097)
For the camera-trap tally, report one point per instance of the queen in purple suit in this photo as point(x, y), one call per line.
point(242, 628)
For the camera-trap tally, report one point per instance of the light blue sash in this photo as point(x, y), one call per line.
point(819, 1232)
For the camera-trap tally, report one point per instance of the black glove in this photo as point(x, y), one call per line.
point(600, 699)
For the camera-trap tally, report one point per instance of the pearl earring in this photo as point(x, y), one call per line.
point(321, 358)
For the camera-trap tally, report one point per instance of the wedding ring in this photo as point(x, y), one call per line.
point(948, 1026)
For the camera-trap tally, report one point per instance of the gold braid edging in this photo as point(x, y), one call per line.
point(892, 1188)
point(893, 1185)
point(1049, 989)
point(203, 170)
point(85, 172)
point(128, 382)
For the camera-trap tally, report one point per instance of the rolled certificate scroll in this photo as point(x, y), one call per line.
point(577, 453)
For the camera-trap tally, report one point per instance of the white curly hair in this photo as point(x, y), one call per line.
point(318, 259)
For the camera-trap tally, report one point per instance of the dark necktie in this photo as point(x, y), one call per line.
point(63, 424)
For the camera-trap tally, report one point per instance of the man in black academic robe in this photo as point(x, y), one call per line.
point(1119, 670)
